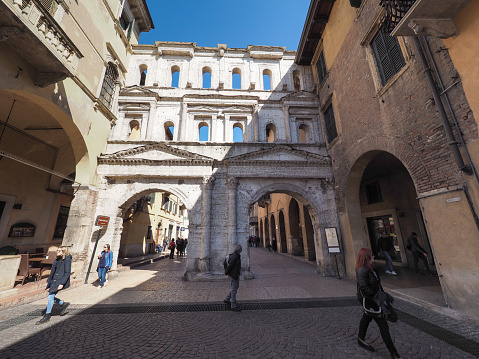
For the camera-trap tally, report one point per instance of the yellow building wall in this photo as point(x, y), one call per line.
point(340, 20)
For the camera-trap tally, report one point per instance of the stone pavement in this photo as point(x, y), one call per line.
point(288, 312)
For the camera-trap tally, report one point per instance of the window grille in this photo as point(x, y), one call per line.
point(108, 86)
point(373, 193)
point(321, 66)
point(388, 55)
point(330, 124)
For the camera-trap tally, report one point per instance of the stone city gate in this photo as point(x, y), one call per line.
point(218, 193)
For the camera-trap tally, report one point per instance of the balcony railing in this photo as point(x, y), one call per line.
point(56, 57)
point(422, 17)
point(395, 11)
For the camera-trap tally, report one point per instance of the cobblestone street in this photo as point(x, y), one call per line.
point(288, 312)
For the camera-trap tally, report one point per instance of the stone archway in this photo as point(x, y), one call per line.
point(116, 198)
point(315, 197)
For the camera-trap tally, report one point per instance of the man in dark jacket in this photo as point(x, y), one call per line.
point(233, 270)
point(418, 252)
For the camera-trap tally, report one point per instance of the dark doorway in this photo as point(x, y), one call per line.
point(282, 233)
point(376, 226)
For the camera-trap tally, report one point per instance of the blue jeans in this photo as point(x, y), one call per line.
point(51, 300)
point(102, 275)
point(389, 262)
point(234, 289)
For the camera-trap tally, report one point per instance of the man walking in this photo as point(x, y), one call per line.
point(386, 244)
point(418, 252)
point(233, 270)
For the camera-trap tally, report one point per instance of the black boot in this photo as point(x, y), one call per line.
point(395, 355)
point(64, 308)
point(365, 345)
point(44, 311)
point(45, 319)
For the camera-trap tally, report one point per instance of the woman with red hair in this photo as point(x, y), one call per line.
point(368, 285)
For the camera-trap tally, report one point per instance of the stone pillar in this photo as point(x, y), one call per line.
point(81, 219)
point(231, 185)
point(205, 241)
point(256, 123)
point(287, 125)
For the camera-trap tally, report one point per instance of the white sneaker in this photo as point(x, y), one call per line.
point(388, 272)
point(105, 284)
point(99, 287)
point(394, 273)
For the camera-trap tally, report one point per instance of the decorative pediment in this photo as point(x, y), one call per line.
point(301, 96)
point(279, 156)
point(137, 91)
point(155, 154)
point(303, 111)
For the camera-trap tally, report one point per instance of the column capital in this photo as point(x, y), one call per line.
point(208, 182)
point(231, 182)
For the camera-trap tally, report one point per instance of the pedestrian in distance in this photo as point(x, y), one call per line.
point(172, 249)
point(104, 264)
point(369, 285)
point(419, 253)
point(386, 244)
point(58, 280)
point(233, 270)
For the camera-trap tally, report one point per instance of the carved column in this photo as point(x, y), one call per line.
point(204, 260)
point(231, 185)
point(78, 234)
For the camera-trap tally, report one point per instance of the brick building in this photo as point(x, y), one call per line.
point(402, 145)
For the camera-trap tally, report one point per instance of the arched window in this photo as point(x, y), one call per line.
point(270, 133)
point(108, 86)
point(237, 132)
point(203, 131)
point(143, 70)
point(267, 80)
point(236, 79)
point(297, 80)
point(303, 132)
point(206, 77)
point(175, 76)
point(134, 130)
point(169, 130)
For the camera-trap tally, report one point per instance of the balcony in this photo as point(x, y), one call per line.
point(422, 17)
point(29, 28)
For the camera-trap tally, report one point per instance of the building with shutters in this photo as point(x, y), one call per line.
point(398, 101)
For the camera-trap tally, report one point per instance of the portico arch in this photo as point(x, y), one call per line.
point(312, 195)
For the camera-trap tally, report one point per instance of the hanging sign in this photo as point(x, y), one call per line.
point(102, 221)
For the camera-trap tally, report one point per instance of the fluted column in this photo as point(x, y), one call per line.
point(231, 185)
point(205, 242)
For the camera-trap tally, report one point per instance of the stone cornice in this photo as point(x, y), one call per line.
point(307, 155)
point(145, 162)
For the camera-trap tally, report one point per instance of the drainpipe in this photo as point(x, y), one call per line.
point(445, 122)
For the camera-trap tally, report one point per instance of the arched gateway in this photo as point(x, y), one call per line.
point(217, 179)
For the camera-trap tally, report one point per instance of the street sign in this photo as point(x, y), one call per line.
point(102, 221)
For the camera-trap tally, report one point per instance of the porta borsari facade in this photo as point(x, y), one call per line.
point(218, 128)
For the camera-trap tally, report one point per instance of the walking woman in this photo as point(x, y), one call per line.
point(104, 265)
point(58, 280)
point(172, 249)
point(369, 284)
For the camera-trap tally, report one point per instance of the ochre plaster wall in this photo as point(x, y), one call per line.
point(456, 249)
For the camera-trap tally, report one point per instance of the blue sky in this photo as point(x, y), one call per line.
point(235, 23)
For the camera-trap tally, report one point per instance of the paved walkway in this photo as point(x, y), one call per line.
point(288, 312)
